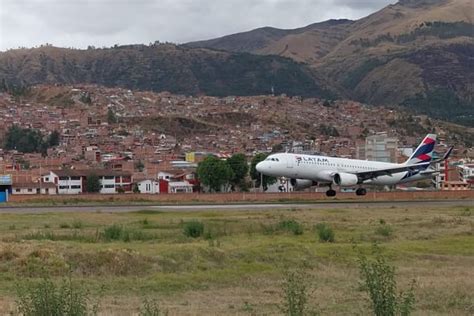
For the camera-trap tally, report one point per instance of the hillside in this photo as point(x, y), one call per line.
point(162, 67)
point(416, 53)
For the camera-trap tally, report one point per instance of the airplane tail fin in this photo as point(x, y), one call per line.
point(424, 152)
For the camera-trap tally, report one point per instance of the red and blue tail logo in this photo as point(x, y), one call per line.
point(424, 152)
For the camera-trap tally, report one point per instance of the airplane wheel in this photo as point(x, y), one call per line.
point(361, 191)
point(330, 193)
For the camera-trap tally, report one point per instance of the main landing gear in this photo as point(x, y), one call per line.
point(359, 192)
point(330, 192)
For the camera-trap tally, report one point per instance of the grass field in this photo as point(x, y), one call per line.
point(237, 266)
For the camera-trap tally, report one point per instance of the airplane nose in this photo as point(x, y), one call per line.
point(260, 167)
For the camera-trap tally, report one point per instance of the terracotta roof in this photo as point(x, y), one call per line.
point(85, 173)
point(35, 185)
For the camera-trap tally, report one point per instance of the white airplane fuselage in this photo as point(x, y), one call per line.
point(322, 169)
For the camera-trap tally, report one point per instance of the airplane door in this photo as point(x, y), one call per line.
point(290, 162)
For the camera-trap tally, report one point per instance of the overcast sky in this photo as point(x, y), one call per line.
point(79, 23)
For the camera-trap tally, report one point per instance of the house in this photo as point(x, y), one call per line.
point(180, 187)
point(71, 181)
point(148, 186)
point(34, 188)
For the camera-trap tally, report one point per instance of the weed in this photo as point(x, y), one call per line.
point(384, 230)
point(77, 224)
point(378, 280)
point(193, 229)
point(466, 212)
point(116, 232)
point(113, 232)
point(291, 226)
point(325, 232)
point(64, 225)
point(152, 308)
point(45, 298)
point(295, 294)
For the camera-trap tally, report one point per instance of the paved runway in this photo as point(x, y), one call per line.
point(229, 207)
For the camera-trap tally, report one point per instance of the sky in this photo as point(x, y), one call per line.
point(80, 23)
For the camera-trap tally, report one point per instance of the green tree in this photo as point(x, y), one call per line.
point(53, 139)
point(93, 183)
point(255, 175)
point(214, 173)
point(24, 140)
point(240, 168)
point(139, 165)
point(111, 117)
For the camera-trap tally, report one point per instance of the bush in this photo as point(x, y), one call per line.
point(384, 230)
point(152, 308)
point(64, 225)
point(48, 299)
point(378, 280)
point(77, 224)
point(193, 229)
point(325, 232)
point(113, 232)
point(295, 294)
point(291, 226)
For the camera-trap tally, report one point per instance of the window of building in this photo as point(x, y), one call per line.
point(75, 186)
point(63, 178)
point(63, 187)
point(17, 190)
point(109, 186)
point(109, 178)
point(75, 178)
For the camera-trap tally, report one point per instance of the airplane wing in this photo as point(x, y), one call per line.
point(422, 168)
point(367, 175)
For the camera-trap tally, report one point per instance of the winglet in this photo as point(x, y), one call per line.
point(446, 155)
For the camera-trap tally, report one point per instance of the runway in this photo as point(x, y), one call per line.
point(230, 207)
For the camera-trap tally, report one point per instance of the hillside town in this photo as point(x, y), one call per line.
point(151, 143)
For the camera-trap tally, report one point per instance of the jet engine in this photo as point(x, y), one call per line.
point(301, 184)
point(345, 179)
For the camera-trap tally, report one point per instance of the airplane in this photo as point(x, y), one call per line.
point(305, 171)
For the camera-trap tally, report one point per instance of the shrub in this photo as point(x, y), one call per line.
point(291, 226)
point(113, 232)
point(295, 294)
point(64, 225)
point(384, 230)
point(325, 232)
point(152, 308)
point(378, 280)
point(77, 224)
point(193, 229)
point(45, 298)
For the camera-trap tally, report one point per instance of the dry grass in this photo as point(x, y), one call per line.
point(237, 267)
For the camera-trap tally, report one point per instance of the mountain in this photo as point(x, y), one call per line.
point(305, 44)
point(161, 67)
point(415, 53)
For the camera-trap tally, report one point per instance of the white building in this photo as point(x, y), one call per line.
point(30, 188)
point(70, 181)
point(149, 186)
point(180, 187)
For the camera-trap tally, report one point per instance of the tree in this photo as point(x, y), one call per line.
point(111, 117)
point(53, 139)
point(93, 183)
point(214, 173)
point(24, 140)
point(240, 168)
point(139, 166)
point(255, 175)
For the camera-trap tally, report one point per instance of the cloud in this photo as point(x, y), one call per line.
point(79, 23)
